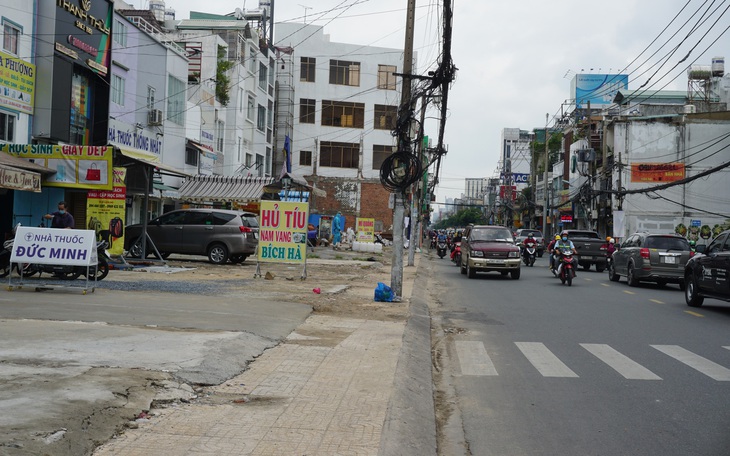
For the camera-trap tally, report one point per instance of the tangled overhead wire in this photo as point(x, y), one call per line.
point(400, 170)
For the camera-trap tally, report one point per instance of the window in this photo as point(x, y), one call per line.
point(240, 100)
point(239, 149)
point(191, 156)
point(344, 73)
point(307, 69)
point(307, 108)
point(386, 78)
point(150, 97)
point(120, 33)
point(262, 75)
point(117, 90)
point(272, 65)
point(176, 100)
point(305, 158)
point(270, 117)
point(11, 37)
point(385, 117)
point(260, 165)
point(339, 155)
point(261, 118)
point(7, 127)
point(380, 153)
point(251, 108)
point(343, 114)
point(252, 60)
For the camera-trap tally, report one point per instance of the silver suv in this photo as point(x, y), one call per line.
point(656, 258)
point(219, 234)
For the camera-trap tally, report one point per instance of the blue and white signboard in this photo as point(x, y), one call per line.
point(54, 246)
point(695, 223)
point(597, 89)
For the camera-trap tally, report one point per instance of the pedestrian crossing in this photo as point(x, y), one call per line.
point(474, 360)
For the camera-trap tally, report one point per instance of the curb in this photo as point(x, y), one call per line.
point(410, 422)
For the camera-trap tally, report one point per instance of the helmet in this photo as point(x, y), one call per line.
point(692, 243)
point(612, 241)
point(557, 237)
point(530, 235)
point(608, 238)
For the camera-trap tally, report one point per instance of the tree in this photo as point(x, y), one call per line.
point(222, 80)
point(463, 218)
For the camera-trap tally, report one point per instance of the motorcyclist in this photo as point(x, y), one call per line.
point(611, 247)
point(529, 241)
point(565, 243)
point(550, 249)
point(693, 245)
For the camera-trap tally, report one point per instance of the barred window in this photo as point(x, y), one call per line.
point(343, 72)
point(339, 155)
point(307, 67)
point(307, 108)
point(343, 114)
point(386, 78)
point(305, 158)
point(385, 117)
point(380, 153)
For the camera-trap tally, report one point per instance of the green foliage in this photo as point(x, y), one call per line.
point(463, 218)
point(222, 81)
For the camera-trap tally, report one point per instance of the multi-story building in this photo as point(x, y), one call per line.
point(343, 101)
point(475, 189)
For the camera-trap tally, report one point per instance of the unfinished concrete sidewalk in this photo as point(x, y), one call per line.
point(325, 390)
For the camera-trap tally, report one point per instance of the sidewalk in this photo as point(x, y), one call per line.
point(325, 390)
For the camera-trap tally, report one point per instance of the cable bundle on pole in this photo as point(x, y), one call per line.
point(400, 170)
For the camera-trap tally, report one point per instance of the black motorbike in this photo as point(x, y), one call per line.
point(441, 249)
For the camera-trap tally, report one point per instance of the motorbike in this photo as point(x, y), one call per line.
point(529, 252)
point(441, 250)
point(67, 272)
point(565, 269)
point(456, 254)
point(433, 242)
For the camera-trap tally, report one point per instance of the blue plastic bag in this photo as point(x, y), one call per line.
point(383, 293)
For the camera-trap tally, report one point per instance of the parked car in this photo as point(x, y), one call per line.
point(649, 257)
point(708, 275)
point(487, 248)
point(219, 234)
point(521, 235)
point(591, 248)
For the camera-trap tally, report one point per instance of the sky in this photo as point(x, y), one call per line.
point(516, 59)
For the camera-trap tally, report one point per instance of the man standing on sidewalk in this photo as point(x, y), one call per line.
point(61, 218)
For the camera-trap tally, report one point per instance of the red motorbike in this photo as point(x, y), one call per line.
point(456, 253)
point(565, 269)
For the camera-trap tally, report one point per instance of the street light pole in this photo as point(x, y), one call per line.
point(545, 184)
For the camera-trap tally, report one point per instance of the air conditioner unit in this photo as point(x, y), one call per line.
point(690, 109)
point(154, 117)
point(586, 155)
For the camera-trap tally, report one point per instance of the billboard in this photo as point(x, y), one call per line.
point(83, 33)
point(17, 83)
point(283, 232)
point(597, 89)
point(657, 172)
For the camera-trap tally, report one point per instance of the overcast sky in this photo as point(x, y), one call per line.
point(516, 58)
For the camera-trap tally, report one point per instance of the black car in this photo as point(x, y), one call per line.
point(708, 275)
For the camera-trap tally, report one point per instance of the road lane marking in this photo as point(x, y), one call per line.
point(544, 360)
point(657, 301)
point(697, 362)
point(629, 292)
point(605, 285)
point(588, 280)
point(473, 358)
point(694, 313)
point(625, 366)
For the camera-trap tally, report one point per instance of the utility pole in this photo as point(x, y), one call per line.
point(415, 206)
point(396, 271)
point(545, 184)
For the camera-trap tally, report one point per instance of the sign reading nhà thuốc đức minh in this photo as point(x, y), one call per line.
point(88, 167)
point(283, 232)
point(365, 229)
point(17, 83)
point(657, 172)
point(54, 246)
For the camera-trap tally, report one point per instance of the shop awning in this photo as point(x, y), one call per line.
point(214, 188)
point(19, 179)
point(150, 159)
point(17, 162)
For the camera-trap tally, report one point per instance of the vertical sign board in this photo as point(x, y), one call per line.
point(283, 232)
point(106, 211)
point(54, 246)
point(365, 230)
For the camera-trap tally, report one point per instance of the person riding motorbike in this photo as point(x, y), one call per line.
point(611, 247)
point(529, 241)
point(550, 249)
point(565, 243)
point(693, 245)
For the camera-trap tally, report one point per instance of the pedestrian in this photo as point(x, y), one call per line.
point(337, 226)
point(61, 218)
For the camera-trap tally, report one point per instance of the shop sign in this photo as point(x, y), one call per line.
point(106, 211)
point(83, 30)
point(365, 229)
point(19, 179)
point(283, 232)
point(657, 172)
point(88, 167)
point(17, 83)
point(54, 246)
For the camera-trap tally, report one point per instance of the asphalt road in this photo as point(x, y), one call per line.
point(533, 367)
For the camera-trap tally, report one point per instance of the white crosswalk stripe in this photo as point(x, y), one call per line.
point(473, 358)
point(697, 362)
point(625, 366)
point(544, 360)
